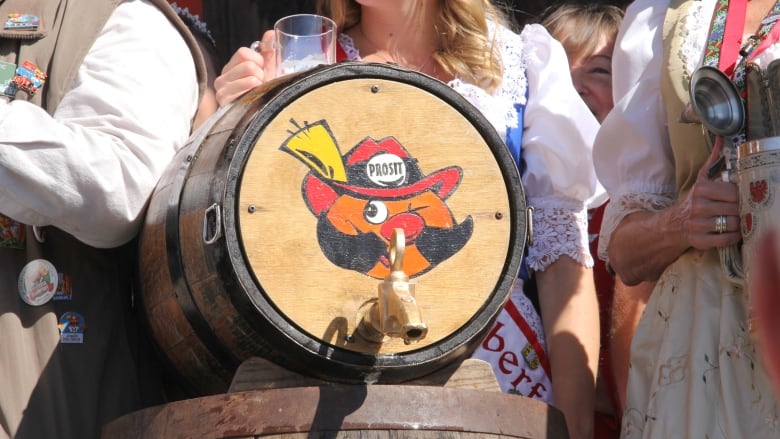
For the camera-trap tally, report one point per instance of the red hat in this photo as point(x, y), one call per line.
point(385, 169)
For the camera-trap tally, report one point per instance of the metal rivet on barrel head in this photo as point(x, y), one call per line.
point(189, 158)
point(499, 215)
point(374, 89)
point(349, 338)
point(252, 208)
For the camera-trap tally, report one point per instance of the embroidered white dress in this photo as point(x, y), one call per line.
point(694, 370)
point(559, 182)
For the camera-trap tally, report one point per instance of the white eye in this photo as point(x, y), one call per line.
point(375, 212)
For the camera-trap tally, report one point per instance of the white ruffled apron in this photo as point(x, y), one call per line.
point(695, 372)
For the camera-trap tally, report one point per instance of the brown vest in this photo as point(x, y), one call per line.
point(688, 143)
point(68, 28)
point(60, 390)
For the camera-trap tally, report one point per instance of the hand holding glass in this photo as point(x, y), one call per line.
point(304, 41)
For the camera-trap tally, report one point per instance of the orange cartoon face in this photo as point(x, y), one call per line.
point(365, 226)
point(359, 199)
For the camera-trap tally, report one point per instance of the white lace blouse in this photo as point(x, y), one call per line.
point(635, 130)
point(559, 180)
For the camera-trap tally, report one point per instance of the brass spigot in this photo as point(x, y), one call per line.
point(395, 312)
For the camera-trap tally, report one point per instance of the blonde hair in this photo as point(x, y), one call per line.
point(467, 50)
point(580, 27)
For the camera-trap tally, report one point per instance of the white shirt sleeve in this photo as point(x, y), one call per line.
point(632, 151)
point(560, 180)
point(90, 169)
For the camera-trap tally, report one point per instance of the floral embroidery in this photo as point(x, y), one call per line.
point(633, 423)
point(561, 227)
point(712, 53)
point(771, 421)
point(673, 371)
point(693, 35)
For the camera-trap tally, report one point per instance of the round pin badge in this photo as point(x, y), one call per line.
point(38, 282)
point(72, 326)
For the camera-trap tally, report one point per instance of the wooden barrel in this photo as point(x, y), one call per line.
point(268, 235)
point(347, 411)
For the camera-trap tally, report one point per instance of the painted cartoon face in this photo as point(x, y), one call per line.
point(349, 214)
point(425, 219)
point(361, 197)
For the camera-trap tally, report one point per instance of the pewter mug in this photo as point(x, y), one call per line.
point(716, 102)
point(717, 105)
point(758, 178)
point(762, 96)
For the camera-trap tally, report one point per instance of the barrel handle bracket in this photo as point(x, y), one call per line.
point(212, 224)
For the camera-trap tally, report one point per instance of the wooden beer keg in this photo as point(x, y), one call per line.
point(271, 233)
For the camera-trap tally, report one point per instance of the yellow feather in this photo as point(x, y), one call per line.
point(315, 146)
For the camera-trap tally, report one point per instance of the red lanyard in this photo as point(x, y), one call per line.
point(732, 36)
point(733, 46)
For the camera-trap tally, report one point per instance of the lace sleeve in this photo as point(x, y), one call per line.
point(559, 228)
point(621, 206)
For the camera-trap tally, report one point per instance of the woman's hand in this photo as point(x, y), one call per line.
point(246, 70)
point(706, 201)
point(645, 243)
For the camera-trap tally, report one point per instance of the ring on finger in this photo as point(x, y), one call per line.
point(720, 224)
point(261, 46)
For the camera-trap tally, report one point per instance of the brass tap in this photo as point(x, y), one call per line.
point(395, 313)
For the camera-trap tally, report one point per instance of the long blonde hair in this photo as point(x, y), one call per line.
point(466, 48)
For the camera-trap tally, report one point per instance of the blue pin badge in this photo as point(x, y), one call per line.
point(72, 326)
